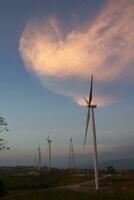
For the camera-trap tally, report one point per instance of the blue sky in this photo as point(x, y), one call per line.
point(35, 107)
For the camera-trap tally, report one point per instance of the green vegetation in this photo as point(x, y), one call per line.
point(66, 194)
point(48, 186)
point(43, 181)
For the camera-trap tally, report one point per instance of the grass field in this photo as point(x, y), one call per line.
point(68, 195)
point(42, 181)
point(45, 187)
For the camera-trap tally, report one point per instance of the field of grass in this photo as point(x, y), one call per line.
point(45, 187)
point(122, 182)
point(42, 181)
point(68, 195)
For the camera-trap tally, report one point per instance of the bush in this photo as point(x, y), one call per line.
point(2, 189)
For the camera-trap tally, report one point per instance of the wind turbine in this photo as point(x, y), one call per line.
point(49, 146)
point(34, 163)
point(39, 158)
point(91, 109)
point(71, 158)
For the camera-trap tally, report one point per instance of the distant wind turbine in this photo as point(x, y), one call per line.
point(71, 158)
point(39, 158)
point(91, 109)
point(49, 146)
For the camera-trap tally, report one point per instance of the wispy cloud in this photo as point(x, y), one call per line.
point(105, 48)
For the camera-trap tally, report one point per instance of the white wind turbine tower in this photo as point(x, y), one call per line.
point(49, 149)
point(91, 109)
point(39, 158)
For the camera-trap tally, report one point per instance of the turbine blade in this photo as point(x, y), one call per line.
point(86, 100)
point(91, 88)
point(87, 123)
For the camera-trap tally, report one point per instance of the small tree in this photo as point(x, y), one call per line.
point(3, 127)
point(3, 146)
point(3, 124)
point(111, 169)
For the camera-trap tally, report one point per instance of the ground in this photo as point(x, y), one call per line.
point(62, 185)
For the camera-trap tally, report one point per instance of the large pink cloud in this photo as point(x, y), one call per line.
point(105, 48)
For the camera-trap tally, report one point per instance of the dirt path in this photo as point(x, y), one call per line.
point(84, 187)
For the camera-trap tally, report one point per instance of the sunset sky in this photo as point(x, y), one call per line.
point(48, 51)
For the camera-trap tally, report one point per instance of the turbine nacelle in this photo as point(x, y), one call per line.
point(49, 141)
point(89, 105)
